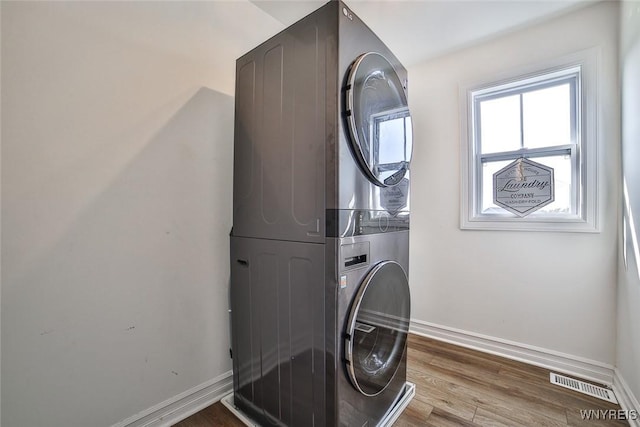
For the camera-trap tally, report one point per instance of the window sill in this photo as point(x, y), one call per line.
point(569, 224)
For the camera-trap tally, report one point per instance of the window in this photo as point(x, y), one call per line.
point(547, 117)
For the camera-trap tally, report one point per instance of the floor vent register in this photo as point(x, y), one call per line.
point(583, 387)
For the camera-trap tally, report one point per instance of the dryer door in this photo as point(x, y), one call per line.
point(378, 119)
point(377, 328)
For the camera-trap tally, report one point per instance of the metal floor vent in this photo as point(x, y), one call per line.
point(583, 387)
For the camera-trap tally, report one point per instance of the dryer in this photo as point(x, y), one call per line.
point(320, 240)
point(322, 130)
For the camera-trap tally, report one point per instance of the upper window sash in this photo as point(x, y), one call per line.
point(569, 76)
point(538, 81)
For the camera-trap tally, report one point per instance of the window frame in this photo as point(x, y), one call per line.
point(579, 68)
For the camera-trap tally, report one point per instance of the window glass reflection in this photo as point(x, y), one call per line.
point(391, 138)
point(380, 122)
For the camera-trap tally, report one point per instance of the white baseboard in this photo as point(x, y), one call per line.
point(183, 405)
point(549, 359)
point(627, 399)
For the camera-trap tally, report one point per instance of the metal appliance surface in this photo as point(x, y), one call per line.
point(297, 167)
point(307, 316)
point(278, 339)
point(371, 376)
point(320, 225)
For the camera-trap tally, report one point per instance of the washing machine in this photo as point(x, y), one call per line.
point(320, 302)
point(373, 311)
point(320, 331)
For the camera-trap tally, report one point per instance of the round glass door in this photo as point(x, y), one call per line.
point(377, 328)
point(378, 119)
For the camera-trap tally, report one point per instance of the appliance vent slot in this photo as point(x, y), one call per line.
point(355, 260)
point(583, 387)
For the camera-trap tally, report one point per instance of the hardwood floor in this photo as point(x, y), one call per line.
point(459, 387)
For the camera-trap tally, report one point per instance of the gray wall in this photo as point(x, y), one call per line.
point(628, 337)
point(116, 204)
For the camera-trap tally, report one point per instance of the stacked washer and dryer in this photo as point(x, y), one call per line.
point(320, 240)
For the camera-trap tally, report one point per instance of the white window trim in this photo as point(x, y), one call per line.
point(587, 221)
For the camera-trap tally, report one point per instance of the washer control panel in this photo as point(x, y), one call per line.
point(354, 255)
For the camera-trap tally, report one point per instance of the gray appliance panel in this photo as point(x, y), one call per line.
point(293, 158)
point(352, 407)
point(278, 323)
point(302, 210)
point(281, 126)
point(353, 190)
point(354, 222)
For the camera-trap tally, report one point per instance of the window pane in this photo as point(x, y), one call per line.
point(409, 138)
point(488, 169)
point(392, 132)
point(547, 116)
point(500, 124)
point(562, 176)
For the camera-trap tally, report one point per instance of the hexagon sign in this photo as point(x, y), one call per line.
point(523, 187)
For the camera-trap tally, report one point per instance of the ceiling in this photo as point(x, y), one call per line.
point(417, 30)
point(217, 32)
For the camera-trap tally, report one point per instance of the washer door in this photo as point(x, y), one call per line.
point(377, 328)
point(378, 119)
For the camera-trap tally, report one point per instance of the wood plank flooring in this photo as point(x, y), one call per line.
point(459, 387)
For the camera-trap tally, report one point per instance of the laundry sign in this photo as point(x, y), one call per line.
point(394, 198)
point(523, 187)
